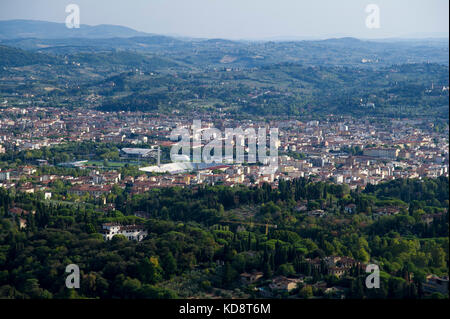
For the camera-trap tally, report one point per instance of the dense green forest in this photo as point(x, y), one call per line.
point(192, 248)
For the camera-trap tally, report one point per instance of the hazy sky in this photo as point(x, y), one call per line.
point(247, 19)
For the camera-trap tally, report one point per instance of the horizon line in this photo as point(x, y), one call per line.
point(278, 38)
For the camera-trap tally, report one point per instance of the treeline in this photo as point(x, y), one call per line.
point(189, 232)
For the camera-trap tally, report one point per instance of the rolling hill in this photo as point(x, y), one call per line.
point(23, 29)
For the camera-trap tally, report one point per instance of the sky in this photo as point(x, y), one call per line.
point(248, 19)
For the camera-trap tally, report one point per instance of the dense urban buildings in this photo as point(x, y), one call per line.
point(341, 149)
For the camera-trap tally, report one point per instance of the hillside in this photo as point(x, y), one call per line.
point(154, 72)
point(12, 57)
point(22, 29)
point(49, 37)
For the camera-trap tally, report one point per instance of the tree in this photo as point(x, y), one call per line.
point(286, 270)
point(306, 292)
point(363, 255)
point(149, 271)
point(267, 270)
point(228, 274)
point(169, 265)
point(130, 288)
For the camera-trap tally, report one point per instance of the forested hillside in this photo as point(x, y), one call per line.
point(193, 249)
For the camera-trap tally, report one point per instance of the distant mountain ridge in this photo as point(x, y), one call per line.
point(55, 39)
point(22, 29)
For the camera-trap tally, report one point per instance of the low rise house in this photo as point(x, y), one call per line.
point(386, 211)
point(435, 284)
point(26, 188)
point(17, 211)
point(282, 283)
point(93, 190)
point(317, 213)
point(131, 232)
point(22, 223)
point(335, 292)
point(5, 175)
point(247, 278)
point(335, 265)
point(429, 218)
point(350, 208)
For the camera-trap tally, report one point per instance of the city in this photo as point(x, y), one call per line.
point(229, 160)
point(355, 152)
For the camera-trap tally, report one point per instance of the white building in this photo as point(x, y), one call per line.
point(4, 176)
point(131, 232)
